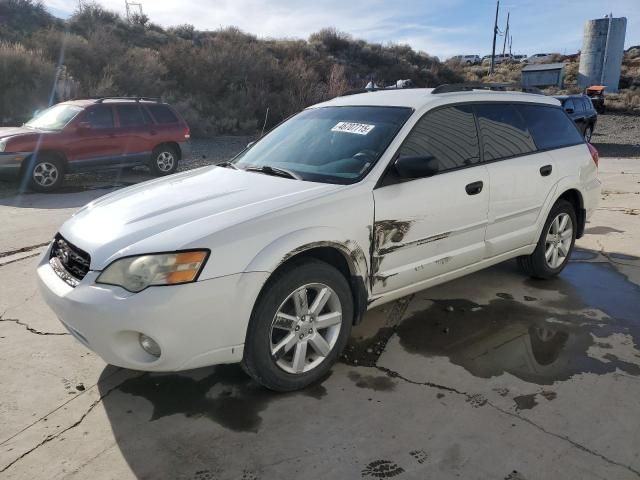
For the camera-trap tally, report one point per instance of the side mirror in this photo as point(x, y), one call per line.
point(84, 126)
point(569, 110)
point(416, 167)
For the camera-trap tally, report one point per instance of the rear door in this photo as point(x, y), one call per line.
point(426, 227)
point(135, 133)
point(521, 177)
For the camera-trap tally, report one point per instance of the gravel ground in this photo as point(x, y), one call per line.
point(615, 135)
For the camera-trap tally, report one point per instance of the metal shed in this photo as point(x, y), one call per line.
point(544, 75)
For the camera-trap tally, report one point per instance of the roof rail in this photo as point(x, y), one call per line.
point(496, 87)
point(137, 99)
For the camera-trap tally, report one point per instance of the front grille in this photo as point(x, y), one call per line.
point(68, 261)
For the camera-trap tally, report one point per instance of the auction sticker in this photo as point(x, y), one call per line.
point(351, 127)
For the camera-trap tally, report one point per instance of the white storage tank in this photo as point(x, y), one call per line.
point(602, 51)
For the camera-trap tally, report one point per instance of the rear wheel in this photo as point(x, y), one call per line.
point(555, 244)
point(44, 173)
point(164, 160)
point(299, 326)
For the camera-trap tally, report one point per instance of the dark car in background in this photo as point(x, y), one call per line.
point(104, 133)
point(582, 112)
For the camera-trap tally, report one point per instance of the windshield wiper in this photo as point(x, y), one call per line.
point(227, 165)
point(275, 171)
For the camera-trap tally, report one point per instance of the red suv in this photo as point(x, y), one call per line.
point(79, 135)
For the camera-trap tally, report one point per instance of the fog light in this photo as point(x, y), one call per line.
point(149, 345)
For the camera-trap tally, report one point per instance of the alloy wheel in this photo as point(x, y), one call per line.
point(45, 174)
point(165, 161)
point(558, 241)
point(305, 328)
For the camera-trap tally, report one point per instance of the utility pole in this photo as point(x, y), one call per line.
point(506, 35)
point(495, 33)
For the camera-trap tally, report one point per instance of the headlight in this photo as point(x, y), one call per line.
point(139, 272)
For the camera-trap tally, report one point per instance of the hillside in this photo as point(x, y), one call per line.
point(222, 81)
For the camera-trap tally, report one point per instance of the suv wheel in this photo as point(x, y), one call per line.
point(299, 326)
point(587, 133)
point(164, 160)
point(555, 244)
point(44, 173)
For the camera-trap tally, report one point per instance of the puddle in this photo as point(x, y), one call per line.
point(527, 340)
point(227, 396)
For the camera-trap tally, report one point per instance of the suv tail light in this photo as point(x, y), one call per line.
point(594, 154)
point(187, 133)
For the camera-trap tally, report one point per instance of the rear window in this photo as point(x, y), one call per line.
point(162, 114)
point(504, 132)
point(550, 126)
point(131, 116)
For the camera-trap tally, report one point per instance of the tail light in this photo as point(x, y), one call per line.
point(594, 154)
point(187, 133)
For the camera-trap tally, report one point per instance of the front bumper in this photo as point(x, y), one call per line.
point(196, 324)
point(11, 162)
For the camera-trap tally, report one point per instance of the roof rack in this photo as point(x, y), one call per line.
point(496, 87)
point(137, 99)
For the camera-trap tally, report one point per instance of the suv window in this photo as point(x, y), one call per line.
point(449, 134)
point(550, 126)
point(130, 116)
point(579, 105)
point(588, 105)
point(100, 116)
point(162, 114)
point(504, 132)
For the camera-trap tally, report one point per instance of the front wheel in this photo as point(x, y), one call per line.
point(164, 160)
point(555, 244)
point(44, 173)
point(299, 326)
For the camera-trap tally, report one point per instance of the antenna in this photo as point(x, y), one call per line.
point(133, 8)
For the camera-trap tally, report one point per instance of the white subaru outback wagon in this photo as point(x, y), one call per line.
point(269, 259)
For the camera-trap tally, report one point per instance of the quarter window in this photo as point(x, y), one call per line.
point(162, 114)
point(550, 126)
point(504, 132)
point(448, 134)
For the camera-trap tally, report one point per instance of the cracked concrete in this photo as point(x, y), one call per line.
point(490, 376)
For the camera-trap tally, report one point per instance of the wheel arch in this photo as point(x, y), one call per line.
point(575, 198)
point(343, 254)
point(171, 144)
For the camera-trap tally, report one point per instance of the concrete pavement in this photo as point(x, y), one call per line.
point(490, 376)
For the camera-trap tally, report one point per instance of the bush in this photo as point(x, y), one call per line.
point(26, 82)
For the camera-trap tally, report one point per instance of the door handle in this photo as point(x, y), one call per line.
point(474, 188)
point(545, 171)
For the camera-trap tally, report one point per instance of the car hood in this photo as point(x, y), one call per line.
point(177, 211)
point(13, 131)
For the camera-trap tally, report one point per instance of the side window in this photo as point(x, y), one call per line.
point(448, 134)
point(130, 116)
point(588, 106)
point(504, 132)
point(550, 126)
point(162, 114)
point(100, 116)
point(579, 105)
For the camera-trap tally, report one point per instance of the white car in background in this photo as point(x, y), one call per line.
point(269, 259)
point(541, 57)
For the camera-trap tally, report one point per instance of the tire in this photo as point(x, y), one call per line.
point(537, 264)
point(273, 351)
point(44, 173)
point(164, 160)
point(588, 132)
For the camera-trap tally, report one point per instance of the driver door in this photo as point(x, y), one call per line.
point(97, 144)
point(427, 227)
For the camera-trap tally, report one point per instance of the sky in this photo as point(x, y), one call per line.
point(438, 27)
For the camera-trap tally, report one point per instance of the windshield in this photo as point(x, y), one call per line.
point(54, 118)
point(330, 144)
